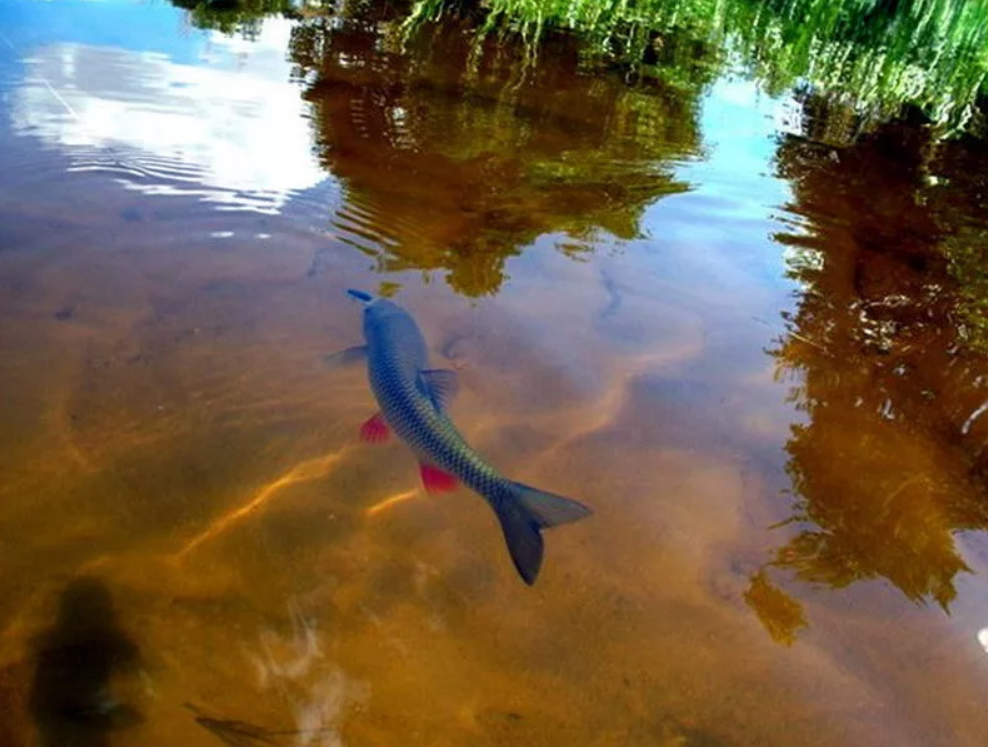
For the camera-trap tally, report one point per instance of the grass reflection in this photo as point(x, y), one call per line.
point(877, 56)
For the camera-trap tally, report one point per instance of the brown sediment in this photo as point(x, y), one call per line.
point(419, 621)
point(178, 436)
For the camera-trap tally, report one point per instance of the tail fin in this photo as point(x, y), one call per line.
point(549, 509)
point(523, 518)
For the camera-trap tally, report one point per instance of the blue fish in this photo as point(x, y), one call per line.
point(413, 401)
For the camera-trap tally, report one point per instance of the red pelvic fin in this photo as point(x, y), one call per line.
point(375, 430)
point(435, 480)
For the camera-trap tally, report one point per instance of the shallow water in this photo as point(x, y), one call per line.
point(742, 348)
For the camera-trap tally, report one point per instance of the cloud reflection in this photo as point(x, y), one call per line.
point(983, 639)
point(232, 130)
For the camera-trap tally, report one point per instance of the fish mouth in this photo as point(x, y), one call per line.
point(365, 298)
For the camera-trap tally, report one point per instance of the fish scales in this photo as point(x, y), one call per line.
point(413, 398)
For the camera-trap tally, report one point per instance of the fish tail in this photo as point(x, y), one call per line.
point(524, 516)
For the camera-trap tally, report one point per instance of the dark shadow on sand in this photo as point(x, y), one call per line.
point(72, 699)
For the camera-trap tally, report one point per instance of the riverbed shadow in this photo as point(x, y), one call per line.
point(72, 699)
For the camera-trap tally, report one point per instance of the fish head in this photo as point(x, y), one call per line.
point(379, 313)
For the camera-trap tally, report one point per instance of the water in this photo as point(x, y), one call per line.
point(744, 349)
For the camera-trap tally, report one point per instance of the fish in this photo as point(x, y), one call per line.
point(414, 400)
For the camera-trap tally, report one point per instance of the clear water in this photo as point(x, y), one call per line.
point(738, 346)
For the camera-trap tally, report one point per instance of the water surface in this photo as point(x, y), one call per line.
point(745, 349)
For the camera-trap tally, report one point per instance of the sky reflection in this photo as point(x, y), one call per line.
point(230, 128)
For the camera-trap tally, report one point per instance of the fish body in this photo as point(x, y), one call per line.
point(413, 400)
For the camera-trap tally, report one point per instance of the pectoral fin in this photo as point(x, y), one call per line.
point(375, 430)
point(436, 480)
point(440, 385)
point(348, 357)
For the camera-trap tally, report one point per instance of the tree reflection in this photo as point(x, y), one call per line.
point(887, 466)
point(456, 154)
point(235, 16)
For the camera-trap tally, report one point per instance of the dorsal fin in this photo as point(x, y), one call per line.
point(440, 385)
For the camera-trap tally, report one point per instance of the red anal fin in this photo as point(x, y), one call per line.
point(437, 481)
point(375, 430)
